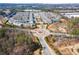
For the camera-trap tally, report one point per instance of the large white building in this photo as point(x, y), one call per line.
point(70, 15)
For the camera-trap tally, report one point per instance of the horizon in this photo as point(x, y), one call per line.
point(41, 1)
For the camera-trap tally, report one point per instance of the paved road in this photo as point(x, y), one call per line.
point(41, 34)
point(46, 49)
point(31, 17)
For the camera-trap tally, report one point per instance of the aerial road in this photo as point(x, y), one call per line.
point(46, 50)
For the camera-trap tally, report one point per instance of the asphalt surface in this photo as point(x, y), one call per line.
point(46, 49)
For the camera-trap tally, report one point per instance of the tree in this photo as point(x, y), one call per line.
point(2, 32)
point(75, 31)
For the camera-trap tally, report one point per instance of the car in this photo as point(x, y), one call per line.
point(44, 47)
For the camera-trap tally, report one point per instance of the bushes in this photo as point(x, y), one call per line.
point(75, 31)
point(73, 26)
point(16, 42)
point(20, 37)
point(2, 32)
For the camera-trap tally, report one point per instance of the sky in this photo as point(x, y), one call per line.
point(40, 1)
